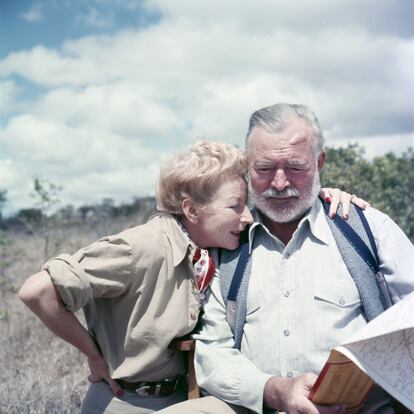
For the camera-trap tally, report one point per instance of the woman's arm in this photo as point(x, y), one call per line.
point(40, 295)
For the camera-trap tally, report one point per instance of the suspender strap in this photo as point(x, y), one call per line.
point(369, 233)
point(235, 269)
point(359, 245)
point(239, 272)
point(354, 239)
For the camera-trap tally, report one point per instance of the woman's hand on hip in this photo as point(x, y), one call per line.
point(100, 372)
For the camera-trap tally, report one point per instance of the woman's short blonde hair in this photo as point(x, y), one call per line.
point(197, 173)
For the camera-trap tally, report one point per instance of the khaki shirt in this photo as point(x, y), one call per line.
point(137, 291)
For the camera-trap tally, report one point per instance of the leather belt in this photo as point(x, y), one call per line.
point(158, 388)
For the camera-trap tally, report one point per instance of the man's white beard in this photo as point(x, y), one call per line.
point(286, 211)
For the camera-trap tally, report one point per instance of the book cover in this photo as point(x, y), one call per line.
point(341, 382)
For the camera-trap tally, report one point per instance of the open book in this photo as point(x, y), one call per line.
point(381, 352)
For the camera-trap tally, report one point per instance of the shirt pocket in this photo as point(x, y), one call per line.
point(342, 294)
point(337, 306)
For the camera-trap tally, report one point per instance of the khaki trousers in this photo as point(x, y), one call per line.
point(204, 405)
point(100, 400)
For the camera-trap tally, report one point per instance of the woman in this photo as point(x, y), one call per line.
point(139, 289)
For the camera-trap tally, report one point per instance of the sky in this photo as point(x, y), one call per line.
point(95, 95)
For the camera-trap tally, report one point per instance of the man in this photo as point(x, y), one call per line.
point(301, 299)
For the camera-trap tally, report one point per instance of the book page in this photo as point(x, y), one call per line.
point(384, 349)
point(388, 360)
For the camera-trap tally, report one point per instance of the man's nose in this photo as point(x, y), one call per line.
point(280, 181)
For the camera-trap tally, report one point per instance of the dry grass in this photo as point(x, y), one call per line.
point(39, 372)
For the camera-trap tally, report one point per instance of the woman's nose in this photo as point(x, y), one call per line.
point(247, 217)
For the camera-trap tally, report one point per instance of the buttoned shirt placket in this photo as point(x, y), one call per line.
point(281, 278)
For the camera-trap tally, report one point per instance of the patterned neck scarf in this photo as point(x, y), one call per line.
point(204, 267)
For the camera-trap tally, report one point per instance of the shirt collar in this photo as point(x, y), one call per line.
point(315, 218)
point(258, 223)
point(180, 244)
point(317, 222)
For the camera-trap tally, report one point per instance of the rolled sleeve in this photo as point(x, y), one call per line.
point(102, 269)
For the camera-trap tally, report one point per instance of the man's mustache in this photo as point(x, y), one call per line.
point(273, 193)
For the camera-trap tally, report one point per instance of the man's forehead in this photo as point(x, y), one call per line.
point(300, 139)
point(296, 140)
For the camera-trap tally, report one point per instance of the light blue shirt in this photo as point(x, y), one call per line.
point(301, 303)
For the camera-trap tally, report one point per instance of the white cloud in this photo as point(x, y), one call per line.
point(308, 16)
point(34, 14)
point(109, 107)
point(119, 107)
point(89, 163)
point(50, 145)
point(8, 94)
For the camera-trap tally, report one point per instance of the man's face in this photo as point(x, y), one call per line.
point(284, 171)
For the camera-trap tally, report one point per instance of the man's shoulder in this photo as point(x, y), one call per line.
point(377, 218)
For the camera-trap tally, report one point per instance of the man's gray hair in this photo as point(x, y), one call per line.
point(276, 118)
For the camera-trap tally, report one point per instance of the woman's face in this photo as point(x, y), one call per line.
point(221, 221)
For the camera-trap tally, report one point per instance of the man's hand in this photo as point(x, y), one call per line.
point(100, 372)
point(290, 395)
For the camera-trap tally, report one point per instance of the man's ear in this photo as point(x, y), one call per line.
point(190, 210)
point(321, 160)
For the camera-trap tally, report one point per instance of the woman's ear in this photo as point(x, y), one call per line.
point(190, 210)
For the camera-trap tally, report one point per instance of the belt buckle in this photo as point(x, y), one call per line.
point(143, 390)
